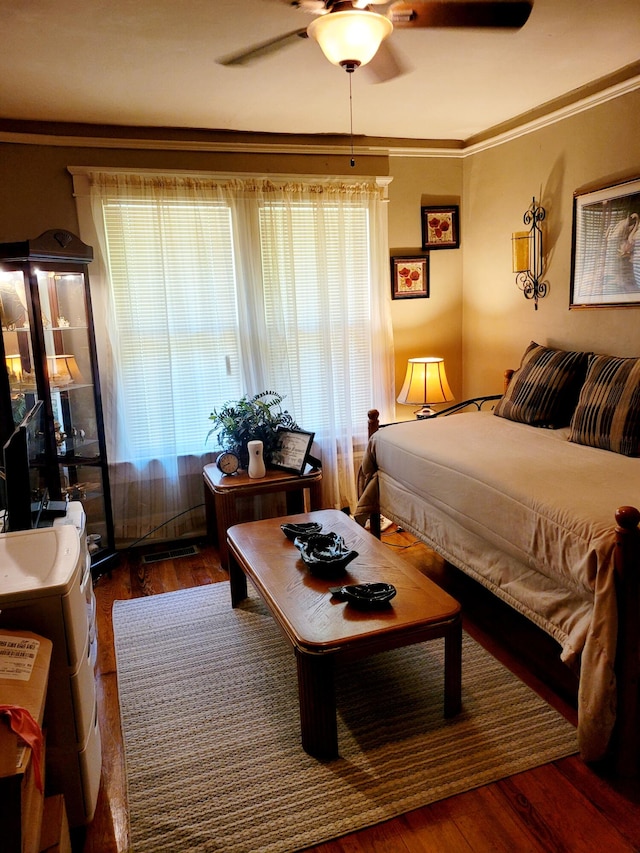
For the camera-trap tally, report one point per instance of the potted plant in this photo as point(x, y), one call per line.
point(250, 418)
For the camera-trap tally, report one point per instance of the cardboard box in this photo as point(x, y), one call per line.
point(24, 671)
point(21, 687)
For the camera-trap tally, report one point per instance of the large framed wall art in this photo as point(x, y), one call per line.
point(605, 257)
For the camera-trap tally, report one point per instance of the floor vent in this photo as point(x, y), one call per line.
point(173, 554)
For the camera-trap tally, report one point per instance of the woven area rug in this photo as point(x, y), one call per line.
point(210, 721)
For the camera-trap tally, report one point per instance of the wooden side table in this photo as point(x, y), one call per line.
point(221, 492)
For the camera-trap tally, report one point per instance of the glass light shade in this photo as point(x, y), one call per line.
point(350, 37)
point(520, 250)
point(425, 383)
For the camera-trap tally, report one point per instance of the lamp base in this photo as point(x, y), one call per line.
point(424, 412)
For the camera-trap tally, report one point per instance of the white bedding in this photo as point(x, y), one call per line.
point(528, 514)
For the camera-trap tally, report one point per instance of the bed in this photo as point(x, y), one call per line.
point(540, 509)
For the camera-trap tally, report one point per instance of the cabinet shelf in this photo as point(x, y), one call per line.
point(49, 352)
point(27, 329)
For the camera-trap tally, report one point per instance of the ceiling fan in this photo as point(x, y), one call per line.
point(401, 14)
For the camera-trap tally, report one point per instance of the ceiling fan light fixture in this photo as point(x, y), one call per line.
point(350, 38)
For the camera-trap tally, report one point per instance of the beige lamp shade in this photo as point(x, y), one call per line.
point(63, 369)
point(14, 366)
point(425, 383)
point(350, 38)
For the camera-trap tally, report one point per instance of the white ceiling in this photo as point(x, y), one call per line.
point(153, 63)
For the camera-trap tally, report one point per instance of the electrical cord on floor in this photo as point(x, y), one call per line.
point(399, 547)
point(164, 523)
point(402, 547)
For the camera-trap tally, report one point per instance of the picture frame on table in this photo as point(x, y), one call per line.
point(440, 227)
point(292, 452)
point(410, 277)
point(605, 247)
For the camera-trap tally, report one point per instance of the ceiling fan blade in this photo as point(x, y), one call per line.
point(481, 14)
point(244, 57)
point(385, 65)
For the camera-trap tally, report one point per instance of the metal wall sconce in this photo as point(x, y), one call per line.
point(528, 257)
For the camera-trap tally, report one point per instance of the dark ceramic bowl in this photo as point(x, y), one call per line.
point(368, 595)
point(291, 531)
point(325, 554)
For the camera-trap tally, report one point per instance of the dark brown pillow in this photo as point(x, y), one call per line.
point(544, 390)
point(608, 411)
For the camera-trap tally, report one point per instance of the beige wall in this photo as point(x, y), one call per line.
point(475, 317)
point(36, 191)
point(36, 194)
point(593, 148)
point(426, 326)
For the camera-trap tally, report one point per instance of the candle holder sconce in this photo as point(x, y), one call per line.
point(528, 256)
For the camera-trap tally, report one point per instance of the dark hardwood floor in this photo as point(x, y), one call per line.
point(563, 807)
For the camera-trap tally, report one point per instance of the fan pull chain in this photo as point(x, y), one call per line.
point(353, 162)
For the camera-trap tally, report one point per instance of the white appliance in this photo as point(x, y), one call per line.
point(46, 587)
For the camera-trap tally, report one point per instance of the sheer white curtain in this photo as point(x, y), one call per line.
point(209, 289)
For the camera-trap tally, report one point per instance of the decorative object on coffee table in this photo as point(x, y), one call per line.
point(325, 554)
point(293, 531)
point(365, 595)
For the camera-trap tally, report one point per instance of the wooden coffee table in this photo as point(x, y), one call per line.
point(324, 630)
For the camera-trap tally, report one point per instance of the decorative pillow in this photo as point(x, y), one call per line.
point(544, 390)
point(608, 411)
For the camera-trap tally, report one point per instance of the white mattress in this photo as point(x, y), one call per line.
point(529, 514)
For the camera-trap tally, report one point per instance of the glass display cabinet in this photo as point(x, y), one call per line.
point(49, 352)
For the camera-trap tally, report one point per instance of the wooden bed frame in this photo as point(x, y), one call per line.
point(625, 744)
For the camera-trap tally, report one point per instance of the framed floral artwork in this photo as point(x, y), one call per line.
point(605, 258)
point(440, 227)
point(409, 277)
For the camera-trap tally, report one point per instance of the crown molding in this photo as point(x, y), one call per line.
point(208, 141)
point(549, 115)
point(526, 124)
point(232, 142)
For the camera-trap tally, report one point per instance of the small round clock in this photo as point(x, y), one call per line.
point(228, 462)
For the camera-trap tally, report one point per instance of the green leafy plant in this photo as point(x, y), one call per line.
point(250, 418)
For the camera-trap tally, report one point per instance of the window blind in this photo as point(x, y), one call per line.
point(173, 281)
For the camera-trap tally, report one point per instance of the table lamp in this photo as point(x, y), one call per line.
point(63, 370)
point(425, 383)
point(14, 367)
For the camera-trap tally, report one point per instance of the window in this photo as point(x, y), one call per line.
point(317, 313)
point(215, 289)
point(174, 301)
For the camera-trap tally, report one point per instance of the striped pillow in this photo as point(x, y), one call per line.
point(544, 390)
point(608, 411)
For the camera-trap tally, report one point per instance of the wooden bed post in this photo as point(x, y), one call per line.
point(507, 377)
point(373, 421)
point(373, 425)
point(627, 564)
